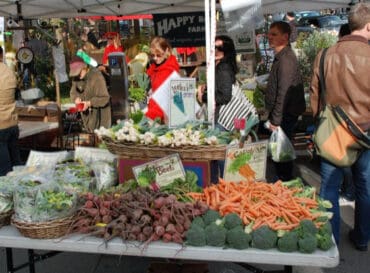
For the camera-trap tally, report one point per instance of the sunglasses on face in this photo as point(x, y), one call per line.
point(219, 48)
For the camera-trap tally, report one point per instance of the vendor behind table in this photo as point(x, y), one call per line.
point(89, 91)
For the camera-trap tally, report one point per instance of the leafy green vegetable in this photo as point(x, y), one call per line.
point(146, 176)
point(181, 187)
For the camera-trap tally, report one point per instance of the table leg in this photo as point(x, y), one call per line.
point(31, 261)
point(9, 260)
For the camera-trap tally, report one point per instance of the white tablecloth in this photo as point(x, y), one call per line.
point(10, 237)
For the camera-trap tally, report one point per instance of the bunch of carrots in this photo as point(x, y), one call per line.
point(262, 203)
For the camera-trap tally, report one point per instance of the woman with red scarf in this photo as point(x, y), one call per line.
point(163, 64)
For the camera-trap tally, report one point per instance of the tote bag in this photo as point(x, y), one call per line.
point(238, 107)
point(337, 137)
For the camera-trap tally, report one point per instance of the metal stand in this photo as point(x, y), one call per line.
point(32, 259)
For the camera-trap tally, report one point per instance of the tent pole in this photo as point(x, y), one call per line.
point(210, 20)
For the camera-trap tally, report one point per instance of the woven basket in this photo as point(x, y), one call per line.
point(135, 151)
point(43, 230)
point(5, 218)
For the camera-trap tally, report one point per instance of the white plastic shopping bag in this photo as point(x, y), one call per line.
point(280, 147)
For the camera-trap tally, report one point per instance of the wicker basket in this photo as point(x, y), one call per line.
point(43, 230)
point(135, 151)
point(5, 218)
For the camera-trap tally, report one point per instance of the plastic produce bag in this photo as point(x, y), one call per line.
point(35, 201)
point(102, 162)
point(280, 147)
point(6, 194)
point(75, 176)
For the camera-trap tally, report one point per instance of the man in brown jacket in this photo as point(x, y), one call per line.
point(346, 73)
point(9, 131)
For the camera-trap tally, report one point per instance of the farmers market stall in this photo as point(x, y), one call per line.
point(10, 238)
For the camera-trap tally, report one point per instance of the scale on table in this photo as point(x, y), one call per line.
point(118, 86)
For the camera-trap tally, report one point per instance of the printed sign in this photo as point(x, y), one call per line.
point(182, 101)
point(181, 29)
point(247, 163)
point(166, 169)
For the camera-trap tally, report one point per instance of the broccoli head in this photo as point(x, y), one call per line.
point(198, 221)
point(211, 216)
point(307, 243)
point(264, 238)
point(294, 183)
point(324, 242)
point(237, 238)
point(232, 220)
point(215, 235)
point(326, 229)
point(196, 236)
point(288, 242)
point(306, 227)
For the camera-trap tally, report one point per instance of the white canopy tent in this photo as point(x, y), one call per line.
point(36, 9)
point(74, 8)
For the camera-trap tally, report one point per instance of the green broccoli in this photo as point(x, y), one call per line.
point(326, 229)
point(211, 216)
point(306, 227)
point(294, 183)
point(307, 243)
point(264, 238)
point(237, 238)
point(324, 242)
point(322, 215)
point(288, 242)
point(215, 235)
point(232, 220)
point(307, 191)
point(196, 236)
point(198, 221)
point(324, 204)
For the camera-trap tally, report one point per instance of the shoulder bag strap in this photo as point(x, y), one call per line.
point(322, 102)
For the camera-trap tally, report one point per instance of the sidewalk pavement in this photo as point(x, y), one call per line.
point(351, 260)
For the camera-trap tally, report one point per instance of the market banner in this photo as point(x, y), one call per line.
point(181, 29)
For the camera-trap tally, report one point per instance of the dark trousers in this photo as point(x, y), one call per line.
point(9, 152)
point(284, 170)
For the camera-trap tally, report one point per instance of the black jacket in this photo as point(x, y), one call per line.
point(224, 80)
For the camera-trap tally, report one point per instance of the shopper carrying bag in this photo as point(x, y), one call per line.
point(337, 137)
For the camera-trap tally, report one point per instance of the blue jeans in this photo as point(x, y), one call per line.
point(9, 152)
point(331, 179)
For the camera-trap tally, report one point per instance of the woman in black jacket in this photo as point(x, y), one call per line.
point(225, 71)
